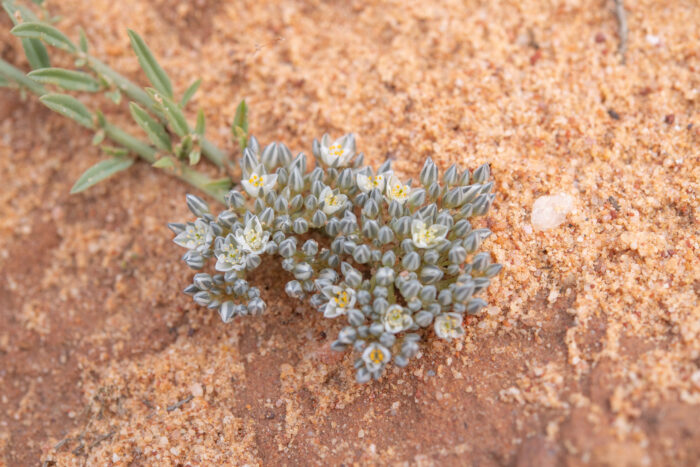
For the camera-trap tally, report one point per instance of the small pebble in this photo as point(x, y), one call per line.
point(653, 40)
point(549, 212)
point(197, 390)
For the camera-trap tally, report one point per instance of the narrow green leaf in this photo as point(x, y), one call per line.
point(43, 31)
point(220, 184)
point(83, 43)
point(101, 120)
point(195, 156)
point(183, 149)
point(38, 2)
point(164, 163)
point(239, 128)
point(115, 96)
point(100, 171)
point(66, 79)
point(155, 131)
point(4, 83)
point(68, 106)
point(114, 150)
point(18, 13)
point(241, 118)
point(173, 113)
point(99, 137)
point(201, 124)
point(156, 75)
point(36, 53)
point(189, 93)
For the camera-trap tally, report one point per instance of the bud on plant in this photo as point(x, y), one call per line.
point(197, 205)
point(300, 226)
point(361, 254)
point(481, 174)
point(428, 175)
point(417, 197)
point(411, 261)
point(450, 176)
point(203, 281)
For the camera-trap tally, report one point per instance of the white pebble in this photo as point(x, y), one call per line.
point(197, 390)
point(653, 40)
point(550, 211)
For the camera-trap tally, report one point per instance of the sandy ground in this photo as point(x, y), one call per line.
point(589, 353)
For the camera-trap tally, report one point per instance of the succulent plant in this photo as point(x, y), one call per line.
point(394, 262)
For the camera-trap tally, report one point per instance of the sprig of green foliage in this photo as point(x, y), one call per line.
point(173, 145)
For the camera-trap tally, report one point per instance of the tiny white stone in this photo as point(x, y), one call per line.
point(197, 390)
point(653, 40)
point(550, 211)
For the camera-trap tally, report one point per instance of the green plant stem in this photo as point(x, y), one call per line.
point(13, 74)
point(209, 149)
point(147, 153)
point(121, 137)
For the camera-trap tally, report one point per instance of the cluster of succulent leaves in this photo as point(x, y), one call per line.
point(173, 144)
point(391, 259)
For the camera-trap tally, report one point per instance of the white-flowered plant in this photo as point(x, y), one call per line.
point(399, 261)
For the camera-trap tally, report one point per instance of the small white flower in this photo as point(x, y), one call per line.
point(397, 319)
point(197, 236)
point(397, 191)
point(257, 180)
point(331, 202)
point(449, 325)
point(229, 256)
point(376, 356)
point(252, 239)
point(340, 300)
point(340, 152)
point(367, 183)
point(427, 237)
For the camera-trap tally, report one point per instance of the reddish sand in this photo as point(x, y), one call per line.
point(589, 353)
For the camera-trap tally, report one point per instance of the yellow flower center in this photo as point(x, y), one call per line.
point(450, 324)
point(398, 191)
point(428, 235)
point(335, 150)
point(375, 181)
point(251, 237)
point(256, 180)
point(377, 356)
point(342, 299)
